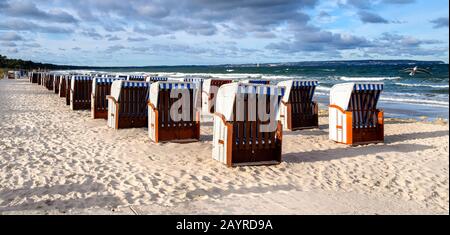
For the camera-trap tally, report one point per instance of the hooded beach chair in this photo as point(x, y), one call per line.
point(101, 88)
point(80, 92)
point(34, 77)
point(173, 111)
point(56, 81)
point(257, 81)
point(353, 114)
point(127, 104)
point(297, 109)
point(247, 130)
point(63, 87)
point(209, 93)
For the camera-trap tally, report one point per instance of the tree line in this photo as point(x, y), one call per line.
point(29, 65)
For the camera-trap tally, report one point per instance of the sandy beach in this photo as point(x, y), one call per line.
point(57, 161)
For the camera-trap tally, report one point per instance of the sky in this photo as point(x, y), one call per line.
point(206, 32)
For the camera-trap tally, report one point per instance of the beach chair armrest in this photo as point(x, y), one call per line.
point(112, 98)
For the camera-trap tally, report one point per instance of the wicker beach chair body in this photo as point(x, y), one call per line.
point(80, 92)
point(163, 126)
point(101, 88)
point(298, 110)
point(353, 115)
point(127, 104)
point(244, 141)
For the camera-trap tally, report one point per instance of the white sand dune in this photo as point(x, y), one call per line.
point(53, 160)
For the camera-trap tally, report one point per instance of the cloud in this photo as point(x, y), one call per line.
point(368, 17)
point(26, 9)
point(136, 39)
point(22, 25)
point(10, 36)
point(441, 22)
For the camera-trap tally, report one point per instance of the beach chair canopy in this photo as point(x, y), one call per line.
point(157, 86)
point(226, 96)
point(136, 77)
point(208, 83)
point(257, 81)
point(356, 96)
point(156, 79)
point(102, 81)
point(194, 79)
point(117, 85)
point(309, 86)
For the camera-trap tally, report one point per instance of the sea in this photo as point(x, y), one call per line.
point(421, 96)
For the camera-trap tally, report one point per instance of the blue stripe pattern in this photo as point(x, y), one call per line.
point(137, 77)
point(153, 79)
point(264, 82)
point(81, 78)
point(265, 90)
point(135, 84)
point(106, 80)
point(169, 86)
point(305, 83)
point(198, 80)
point(369, 87)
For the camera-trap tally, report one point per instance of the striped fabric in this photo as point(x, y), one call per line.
point(108, 75)
point(304, 83)
point(105, 80)
point(136, 77)
point(363, 104)
point(168, 86)
point(154, 79)
point(264, 82)
point(193, 79)
point(369, 87)
point(81, 78)
point(135, 84)
point(265, 90)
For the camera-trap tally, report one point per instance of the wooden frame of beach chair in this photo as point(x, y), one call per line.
point(11, 74)
point(209, 91)
point(353, 115)
point(68, 88)
point(49, 81)
point(56, 82)
point(62, 86)
point(298, 110)
point(80, 92)
point(257, 81)
point(101, 88)
point(243, 142)
point(162, 126)
point(127, 104)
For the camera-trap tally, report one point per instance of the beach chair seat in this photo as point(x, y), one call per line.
point(353, 114)
point(127, 104)
point(101, 88)
point(165, 124)
point(209, 92)
point(80, 92)
point(241, 135)
point(298, 110)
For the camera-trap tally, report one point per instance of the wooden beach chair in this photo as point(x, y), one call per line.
point(11, 74)
point(244, 138)
point(127, 104)
point(34, 77)
point(56, 82)
point(209, 91)
point(257, 81)
point(353, 114)
point(298, 110)
point(101, 88)
point(80, 92)
point(63, 86)
point(164, 124)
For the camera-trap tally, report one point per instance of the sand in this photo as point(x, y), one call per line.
point(57, 161)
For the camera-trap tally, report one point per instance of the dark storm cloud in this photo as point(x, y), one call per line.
point(369, 17)
point(441, 22)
